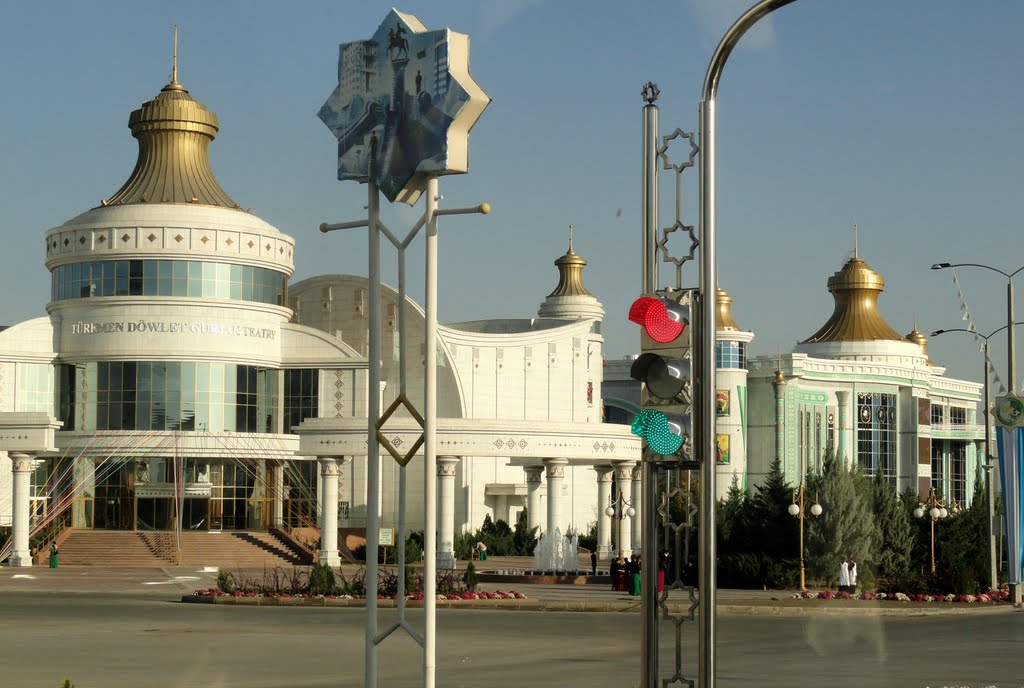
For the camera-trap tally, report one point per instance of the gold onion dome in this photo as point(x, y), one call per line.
point(919, 339)
point(723, 318)
point(174, 132)
point(855, 288)
point(570, 275)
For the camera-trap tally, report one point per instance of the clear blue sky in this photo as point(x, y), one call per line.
point(832, 113)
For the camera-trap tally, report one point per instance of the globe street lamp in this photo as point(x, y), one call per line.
point(797, 509)
point(1011, 355)
point(989, 452)
point(936, 511)
point(619, 508)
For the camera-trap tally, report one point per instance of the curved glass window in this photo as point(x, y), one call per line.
point(730, 355)
point(154, 395)
point(191, 278)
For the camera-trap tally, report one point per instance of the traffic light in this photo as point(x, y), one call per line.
point(663, 367)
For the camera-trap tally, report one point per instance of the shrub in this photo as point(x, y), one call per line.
point(321, 580)
point(469, 577)
point(225, 581)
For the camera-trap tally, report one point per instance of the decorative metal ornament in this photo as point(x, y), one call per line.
point(403, 106)
point(678, 225)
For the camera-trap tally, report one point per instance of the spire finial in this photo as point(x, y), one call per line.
point(174, 59)
point(570, 238)
point(855, 254)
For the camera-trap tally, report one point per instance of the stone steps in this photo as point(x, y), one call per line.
point(231, 550)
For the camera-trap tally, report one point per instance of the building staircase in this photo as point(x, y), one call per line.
point(227, 550)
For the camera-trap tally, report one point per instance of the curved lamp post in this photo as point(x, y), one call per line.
point(1011, 363)
point(936, 510)
point(796, 509)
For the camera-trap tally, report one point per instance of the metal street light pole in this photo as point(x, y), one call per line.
point(704, 445)
point(989, 466)
point(797, 509)
point(935, 511)
point(1011, 351)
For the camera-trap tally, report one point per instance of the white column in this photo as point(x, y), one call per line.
point(604, 521)
point(329, 471)
point(624, 487)
point(637, 500)
point(21, 467)
point(277, 482)
point(555, 471)
point(446, 468)
point(533, 484)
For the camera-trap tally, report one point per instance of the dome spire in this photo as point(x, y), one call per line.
point(174, 58)
point(919, 339)
point(174, 132)
point(570, 274)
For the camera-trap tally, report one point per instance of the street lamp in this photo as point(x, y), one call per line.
point(619, 508)
point(797, 509)
point(936, 511)
point(1011, 355)
point(990, 463)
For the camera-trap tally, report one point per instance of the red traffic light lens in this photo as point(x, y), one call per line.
point(656, 319)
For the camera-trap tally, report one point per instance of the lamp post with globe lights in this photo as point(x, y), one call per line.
point(619, 508)
point(936, 510)
point(796, 509)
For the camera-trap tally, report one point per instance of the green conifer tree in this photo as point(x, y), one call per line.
point(894, 536)
point(773, 529)
point(845, 527)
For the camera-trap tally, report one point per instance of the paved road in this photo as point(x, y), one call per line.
point(129, 639)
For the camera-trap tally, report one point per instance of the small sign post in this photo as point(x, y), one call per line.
point(385, 539)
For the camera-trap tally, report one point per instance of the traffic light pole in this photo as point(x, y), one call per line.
point(648, 472)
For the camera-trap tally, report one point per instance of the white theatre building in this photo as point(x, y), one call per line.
point(163, 388)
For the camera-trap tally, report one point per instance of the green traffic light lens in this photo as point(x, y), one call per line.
point(654, 427)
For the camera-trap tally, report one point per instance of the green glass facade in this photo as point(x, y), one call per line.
point(184, 396)
point(187, 278)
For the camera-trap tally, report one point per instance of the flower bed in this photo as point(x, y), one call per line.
point(496, 595)
point(995, 596)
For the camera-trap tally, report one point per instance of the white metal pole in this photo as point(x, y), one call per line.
point(372, 448)
point(429, 443)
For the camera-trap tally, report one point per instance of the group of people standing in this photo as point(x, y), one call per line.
point(848, 575)
point(625, 573)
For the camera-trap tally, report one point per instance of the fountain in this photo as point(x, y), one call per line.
point(556, 553)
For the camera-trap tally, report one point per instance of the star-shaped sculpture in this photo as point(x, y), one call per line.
point(403, 107)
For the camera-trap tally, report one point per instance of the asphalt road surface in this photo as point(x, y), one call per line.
point(101, 640)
